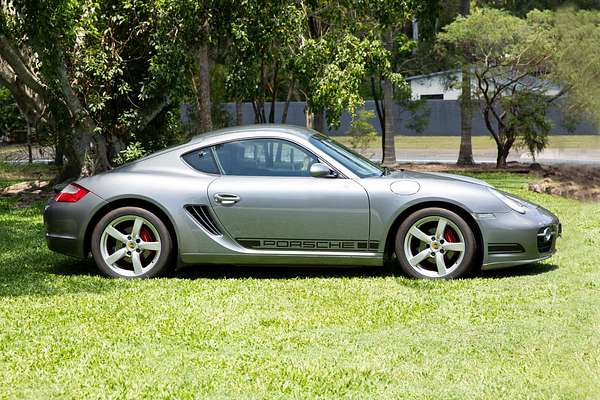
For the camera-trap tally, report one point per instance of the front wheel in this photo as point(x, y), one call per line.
point(435, 243)
point(131, 242)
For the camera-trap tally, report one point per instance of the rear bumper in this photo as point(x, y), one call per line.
point(70, 246)
point(66, 224)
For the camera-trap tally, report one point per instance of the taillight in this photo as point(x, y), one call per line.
point(71, 193)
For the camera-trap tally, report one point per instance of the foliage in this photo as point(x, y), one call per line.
point(527, 120)
point(511, 59)
point(362, 133)
point(577, 60)
point(133, 151)
point(95, 71)
point(522, 7)
point(11, 119)
point(334, 67)
point(240, 332)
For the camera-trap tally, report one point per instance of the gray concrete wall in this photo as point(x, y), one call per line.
point(444, 119)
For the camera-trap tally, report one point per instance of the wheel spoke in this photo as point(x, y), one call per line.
point(112, 231)
point(441, 227)
point(154, 246)
point(137, 263)
point(137, 225)
point(440, 263)
point(419, 234)
point(449, 246)
point(116, 256)
point(414, 261)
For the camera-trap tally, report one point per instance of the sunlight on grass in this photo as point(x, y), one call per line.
point(232, 332)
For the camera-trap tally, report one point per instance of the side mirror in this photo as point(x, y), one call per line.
point(319, 170)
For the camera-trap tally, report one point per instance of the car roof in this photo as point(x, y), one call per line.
point(237, 132)
point(227, 134)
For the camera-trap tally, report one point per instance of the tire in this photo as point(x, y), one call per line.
point(420, 256)
point(146, 254)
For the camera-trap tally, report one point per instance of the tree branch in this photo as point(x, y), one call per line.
point(12, 58)
point(151, 111)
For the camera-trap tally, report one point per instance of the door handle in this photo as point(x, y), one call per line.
point(226, 199)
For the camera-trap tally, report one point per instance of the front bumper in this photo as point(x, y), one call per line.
point(513, 239)
point(66, 224)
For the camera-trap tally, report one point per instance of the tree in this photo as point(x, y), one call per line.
point(260, 53)
point(91, 70)
point(395, 22)
point(511, 59)
point(576, 62)
point(317, 49)
point(465, 154)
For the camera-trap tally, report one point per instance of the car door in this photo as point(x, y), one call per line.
point(266, 199)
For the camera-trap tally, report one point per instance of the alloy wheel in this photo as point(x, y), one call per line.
point(434, 246)
point(130, 245)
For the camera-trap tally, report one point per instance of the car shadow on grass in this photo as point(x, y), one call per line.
point(38, 284)
point(279, 272)
point(295, 272)
point(523, 270)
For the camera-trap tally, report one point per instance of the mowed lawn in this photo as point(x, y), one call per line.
point(232, 332)
point(482, 143)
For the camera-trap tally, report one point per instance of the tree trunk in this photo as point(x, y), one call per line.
point(286, 106)
point(501, 158)
point(238, 113)
point(503, 148)
point(389, 146)
point(59, 150)
point(101, 161)
point(203, 90)
point(388, 140)
point(309, 118)
point(273, 94)
point(465, 155)
point(29, 151)
point(76, 149)
point(319, 121)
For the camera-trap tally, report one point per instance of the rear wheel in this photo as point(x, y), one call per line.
point(131, 242)
point(435, 243)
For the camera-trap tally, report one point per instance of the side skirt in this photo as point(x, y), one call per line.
point(262, 257)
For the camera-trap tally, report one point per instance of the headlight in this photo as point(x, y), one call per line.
point(511, 202)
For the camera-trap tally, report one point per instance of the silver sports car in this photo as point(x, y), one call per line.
point(284, 195)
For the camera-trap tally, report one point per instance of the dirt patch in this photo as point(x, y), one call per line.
point(513, 167)
point(576, 182)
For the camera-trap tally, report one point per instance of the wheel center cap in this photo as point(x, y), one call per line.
point(131, 245)
point(435, 246)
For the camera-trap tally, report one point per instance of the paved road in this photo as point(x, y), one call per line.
point(549, 156)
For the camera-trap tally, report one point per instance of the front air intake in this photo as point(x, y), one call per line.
point(545, 239)
point(202, 215)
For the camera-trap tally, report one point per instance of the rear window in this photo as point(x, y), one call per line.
point(202, 160)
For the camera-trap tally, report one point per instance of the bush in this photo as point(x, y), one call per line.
point(361, 131)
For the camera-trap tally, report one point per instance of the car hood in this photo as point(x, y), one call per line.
point(435, 175)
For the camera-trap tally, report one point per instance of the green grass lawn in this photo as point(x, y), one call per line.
point(231, 332)
point(483, 143)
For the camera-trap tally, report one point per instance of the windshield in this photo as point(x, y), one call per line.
point(356, 163)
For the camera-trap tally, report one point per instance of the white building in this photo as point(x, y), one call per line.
point(445, 85)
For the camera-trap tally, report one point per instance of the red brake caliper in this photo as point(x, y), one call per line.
point(450, 236)
point(147, 236)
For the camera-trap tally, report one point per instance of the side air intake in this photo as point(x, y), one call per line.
point(201, 213)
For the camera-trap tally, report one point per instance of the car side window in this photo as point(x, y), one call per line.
point(203, 160)
point(264, 157)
